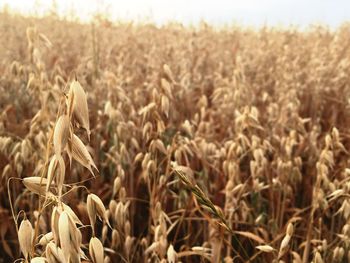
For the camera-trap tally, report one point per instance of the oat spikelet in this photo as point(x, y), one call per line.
point(31, 34)
point(171, 254)
point(72, 215)
point(79, 152)
point(318, 257)
point(290, 229)
point(38, 260)
point(165, 105)
point(78, 104)
point(61, 175)
point(70, 237)
point(91, 209)
point(265, 248)
point(96, 250)
point(166, 87)
point(55, 216)
point(25, 237)
point(95, 208)
point(168, 72)
point(45, 239)
point(286, 240)
point(64, 234)
point(54, 254)
point(51, 172)
point(56, 168)
point(61, 134)
point(35, 184)
point(116, 185)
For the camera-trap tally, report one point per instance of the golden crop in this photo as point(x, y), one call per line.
point(132, 143)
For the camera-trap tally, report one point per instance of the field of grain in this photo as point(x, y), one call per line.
point(137, 143)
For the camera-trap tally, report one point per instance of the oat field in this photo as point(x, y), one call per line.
point(135, 143)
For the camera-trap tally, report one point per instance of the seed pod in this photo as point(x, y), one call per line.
point(14, 68)
point(45, 239)
point(82, 255)
point(318, 257)
point(168, 73)
point(124, 154)
point(38, 260)
point(116, 185)
point(54, 254)
point(147, 109)
point(284, 246)
point(160, 126)
point(71, 214)
point(104, 233)
point(95, 207)
point(127, 228)
point(265, 248)
point(91, 209)
point(158, 144)
point(163, 245)
point(146, 130)
point(35, 184)
point(112, 206)
point(171, 254)
point(122, 194)
point(78, 151)
point(78, 107)
point(55, 215)
point(290, 229)
point(6, 172)
point(119, 216)
point(115, 239)
point(64, 234)
point(140, 156)
point(166, 87)
point(186, 127)
point(61, 134)
point(56, 163)
point(25, 149)
point(25, 237)
point(128, 245)
point(135, 143)
point(152, 248)
point(96, 250)
point(165, 105)
point(70, 236)
point(19, 169)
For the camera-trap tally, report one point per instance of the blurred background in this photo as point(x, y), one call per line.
point(191, 12)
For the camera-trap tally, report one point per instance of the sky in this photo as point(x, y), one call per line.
point(218, 12)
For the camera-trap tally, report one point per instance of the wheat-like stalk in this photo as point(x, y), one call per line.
point(134, 143)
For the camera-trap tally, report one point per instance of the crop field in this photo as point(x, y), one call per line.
point(136, 143)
